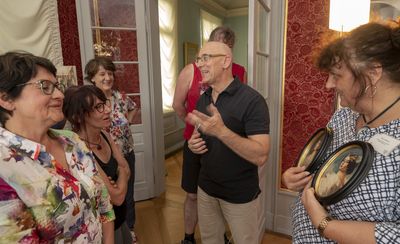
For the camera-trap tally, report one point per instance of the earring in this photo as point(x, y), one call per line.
point(373, 90)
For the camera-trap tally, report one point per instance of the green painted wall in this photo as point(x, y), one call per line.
point(239, 25)
point(189, 30)
point(188, 26)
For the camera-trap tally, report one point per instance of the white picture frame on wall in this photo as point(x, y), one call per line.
point(66, 75)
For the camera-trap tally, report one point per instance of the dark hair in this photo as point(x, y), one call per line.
point(225, 33)
point(78, 102)
point(17, 68)
point(363, 48)
point(352, 163)
point(92, 67)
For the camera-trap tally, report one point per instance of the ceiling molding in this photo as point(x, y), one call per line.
point(213, 6)
point(238, 12)
point(394, 3)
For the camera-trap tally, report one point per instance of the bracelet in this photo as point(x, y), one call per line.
point(323, 224)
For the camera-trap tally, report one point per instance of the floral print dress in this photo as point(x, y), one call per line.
point(41, 202)
point(119, 129)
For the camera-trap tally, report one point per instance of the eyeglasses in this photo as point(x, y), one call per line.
point(207, 57)
point(46, 86)
point(100, 107)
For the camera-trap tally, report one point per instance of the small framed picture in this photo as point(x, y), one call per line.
point(315, 149)
point(190, 51)
point(66, 75)
point(343, 171)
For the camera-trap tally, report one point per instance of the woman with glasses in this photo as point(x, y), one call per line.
point(50, 189)
point(88, 110)
point(100, 72)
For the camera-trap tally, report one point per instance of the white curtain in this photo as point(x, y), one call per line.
point(31, 25)
point(167, 11)
point(208, 23)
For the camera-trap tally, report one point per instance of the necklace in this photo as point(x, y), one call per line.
point(380, 114)
point(98, 145)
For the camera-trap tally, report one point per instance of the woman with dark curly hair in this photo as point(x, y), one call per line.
point(364, 69)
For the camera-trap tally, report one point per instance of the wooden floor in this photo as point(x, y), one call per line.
point(160, 220)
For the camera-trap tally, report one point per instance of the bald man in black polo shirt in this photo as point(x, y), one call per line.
point(232, 136)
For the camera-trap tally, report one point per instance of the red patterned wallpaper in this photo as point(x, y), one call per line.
point(307, 104)
point(69, 35)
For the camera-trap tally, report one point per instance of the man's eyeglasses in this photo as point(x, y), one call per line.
point(207, 57)
point(46, 86)
point(100, 107)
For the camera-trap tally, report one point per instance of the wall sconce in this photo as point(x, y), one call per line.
point(345, 15)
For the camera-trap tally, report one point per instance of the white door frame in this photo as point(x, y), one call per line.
point(272, 90)
point(148, 136)
point(156, 144)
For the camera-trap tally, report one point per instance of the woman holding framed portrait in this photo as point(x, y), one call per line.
point(334, 179)
point(364, 69)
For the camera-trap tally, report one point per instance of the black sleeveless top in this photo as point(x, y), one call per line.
point(110, 168)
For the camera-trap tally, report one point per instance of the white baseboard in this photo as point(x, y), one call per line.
point(283, 225)
point(174, 147)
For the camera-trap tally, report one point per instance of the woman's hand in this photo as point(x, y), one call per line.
point(196, 144)
point(295, 178)
point(112, 182)
point(314, 209)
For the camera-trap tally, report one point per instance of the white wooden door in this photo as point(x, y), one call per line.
point(258, 66)
point(121, 28)
point(266, 62)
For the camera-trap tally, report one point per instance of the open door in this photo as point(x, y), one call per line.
point(259, 53)
point(265, 70)
point(122, 30)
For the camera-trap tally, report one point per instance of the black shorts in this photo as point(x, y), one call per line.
point(190, 169)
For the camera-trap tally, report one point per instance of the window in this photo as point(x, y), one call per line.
point(168, 50)
point(208, 23)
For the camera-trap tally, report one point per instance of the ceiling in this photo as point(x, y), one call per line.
point(232, 4)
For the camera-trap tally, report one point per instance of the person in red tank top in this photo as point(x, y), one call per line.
point(188, 89)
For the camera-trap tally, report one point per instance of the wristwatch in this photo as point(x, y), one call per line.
point(323, 224)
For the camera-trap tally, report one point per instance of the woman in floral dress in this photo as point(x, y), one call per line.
point(50, 189)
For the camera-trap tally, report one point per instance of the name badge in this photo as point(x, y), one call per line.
point(384, 144)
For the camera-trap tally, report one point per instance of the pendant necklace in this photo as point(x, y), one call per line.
point(98, 145)
point(366, 124)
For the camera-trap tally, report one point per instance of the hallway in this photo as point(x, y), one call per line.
point(160, 220)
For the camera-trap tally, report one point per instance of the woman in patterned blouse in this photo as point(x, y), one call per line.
point(88, 110)
point(100, 72)
point(364, 69)
point(50, 189)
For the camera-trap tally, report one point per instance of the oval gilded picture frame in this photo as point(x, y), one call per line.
point(342, 172)
point(314, 150)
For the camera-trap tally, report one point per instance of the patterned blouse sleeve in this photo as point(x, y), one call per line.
point(389, 232)
point(131, 105)
point(16, 221)
point(104, 201)
point(105, 206)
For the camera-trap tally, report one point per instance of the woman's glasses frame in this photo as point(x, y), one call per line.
point(100, 107)
point(46, 86)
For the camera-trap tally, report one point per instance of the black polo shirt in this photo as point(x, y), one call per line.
point(223, 173)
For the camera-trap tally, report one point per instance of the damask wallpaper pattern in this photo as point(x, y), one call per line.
point(307, 104)
point(69, 35)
